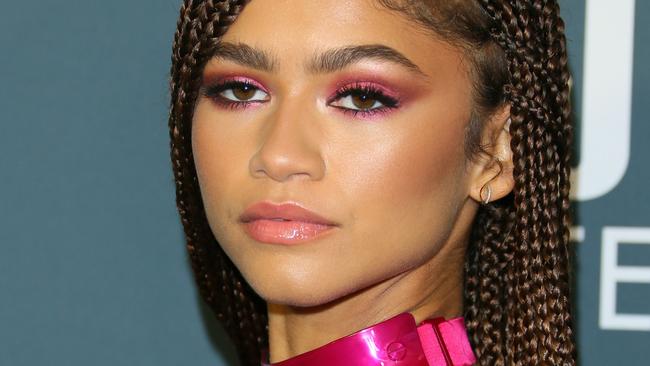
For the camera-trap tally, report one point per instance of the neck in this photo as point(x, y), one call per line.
point(429, 290)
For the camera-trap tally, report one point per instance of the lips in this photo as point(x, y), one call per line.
point(286, 223)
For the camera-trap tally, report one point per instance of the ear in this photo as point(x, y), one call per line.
point(492, 170)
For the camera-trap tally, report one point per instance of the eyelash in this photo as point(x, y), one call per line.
point(214, 92)
point(374, 93)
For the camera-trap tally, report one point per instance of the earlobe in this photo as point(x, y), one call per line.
point(494, 179)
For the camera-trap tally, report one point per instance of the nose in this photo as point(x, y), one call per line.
point(290, 146)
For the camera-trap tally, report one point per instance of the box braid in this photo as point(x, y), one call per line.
point(236, 306)
point(517, 273)
point(517, 269)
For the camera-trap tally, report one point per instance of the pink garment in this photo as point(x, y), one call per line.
point(397, 341)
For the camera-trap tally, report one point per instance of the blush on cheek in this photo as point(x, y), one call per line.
point(425, 175)
point(428, 156)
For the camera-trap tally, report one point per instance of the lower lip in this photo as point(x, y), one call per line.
point(285, 232)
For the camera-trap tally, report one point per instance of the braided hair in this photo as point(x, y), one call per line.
point(516, 295)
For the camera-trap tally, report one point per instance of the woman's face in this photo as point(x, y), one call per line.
point(348, 110)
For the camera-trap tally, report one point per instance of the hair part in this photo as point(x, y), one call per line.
point(517, 300)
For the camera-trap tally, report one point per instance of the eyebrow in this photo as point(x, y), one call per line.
point(245, 55)
point(329, 61)
point(339, 58)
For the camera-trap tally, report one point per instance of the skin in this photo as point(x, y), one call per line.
point(398, 184)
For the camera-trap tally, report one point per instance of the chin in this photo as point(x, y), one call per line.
point(296, 300)
point(297, 291)
point(311, 288)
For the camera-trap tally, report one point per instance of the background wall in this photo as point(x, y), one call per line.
point(92, 267)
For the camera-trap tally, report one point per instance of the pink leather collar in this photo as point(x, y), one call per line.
point(397, 341)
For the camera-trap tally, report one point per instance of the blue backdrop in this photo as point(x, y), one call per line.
point(93, 269)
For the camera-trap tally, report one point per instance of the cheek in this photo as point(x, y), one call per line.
point(220, 165)
point(409, 183)
point(419, 165)
point(413, 165)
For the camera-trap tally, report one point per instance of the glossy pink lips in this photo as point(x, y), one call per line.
point(283, 224)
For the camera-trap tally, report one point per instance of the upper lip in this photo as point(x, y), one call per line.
point(285, 211)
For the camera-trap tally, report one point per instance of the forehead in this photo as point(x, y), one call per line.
point(294, 30)
point(317, 15)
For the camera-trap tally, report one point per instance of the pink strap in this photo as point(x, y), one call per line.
point(445, 343)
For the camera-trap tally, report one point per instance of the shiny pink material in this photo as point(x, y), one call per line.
point(446, 342)
point(397, 341)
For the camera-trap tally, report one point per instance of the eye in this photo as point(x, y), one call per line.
point(236, 92)
point(360, 98)
point(243, 92)
point(359, 101)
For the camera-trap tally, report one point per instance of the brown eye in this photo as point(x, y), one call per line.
point(237, 92)
point(244, 91)
point(360, 100)
point(363, 101)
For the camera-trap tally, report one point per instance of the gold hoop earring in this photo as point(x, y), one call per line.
point(489, 194)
